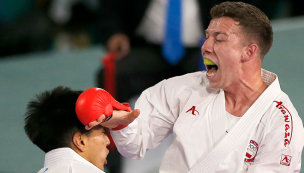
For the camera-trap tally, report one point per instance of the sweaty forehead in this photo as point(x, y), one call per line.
point(223, 25)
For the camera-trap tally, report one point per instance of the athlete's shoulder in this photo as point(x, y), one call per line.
point(282, 101)
point(282, 104)
point(80, 167)
point(189, 79)
point(285, 120)
point(62, 167)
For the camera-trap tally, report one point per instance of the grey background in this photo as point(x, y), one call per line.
point(24, 76)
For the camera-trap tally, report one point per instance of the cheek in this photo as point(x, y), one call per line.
point(221, 51)
point(216, 48)
point(226, 51)
point(100, 142)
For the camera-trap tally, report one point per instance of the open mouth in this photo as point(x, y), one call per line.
point(211, 68)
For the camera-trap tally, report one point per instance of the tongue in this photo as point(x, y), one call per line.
point(211, 72)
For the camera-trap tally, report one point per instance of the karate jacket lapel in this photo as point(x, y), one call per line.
point(217, 121)
point(240, 135)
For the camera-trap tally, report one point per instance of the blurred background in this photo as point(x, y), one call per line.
point(47, 43)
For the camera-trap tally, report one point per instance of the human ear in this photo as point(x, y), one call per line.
point(250, 52)
point(80, 141)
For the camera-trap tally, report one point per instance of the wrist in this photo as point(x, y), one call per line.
point(120, 126)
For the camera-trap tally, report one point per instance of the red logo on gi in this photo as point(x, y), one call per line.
point(285, 160)
point(193, 110)
point(288, 122)
point(251, 152)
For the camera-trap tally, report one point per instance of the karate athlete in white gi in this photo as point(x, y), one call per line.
point(52, 124)
point(233, 118)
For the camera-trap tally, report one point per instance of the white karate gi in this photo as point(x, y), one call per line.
point(66, 160)
point(195, 113)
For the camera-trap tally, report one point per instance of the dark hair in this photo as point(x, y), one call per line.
point(51, 121)
point(254, 23)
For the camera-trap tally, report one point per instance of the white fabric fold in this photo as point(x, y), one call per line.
point(243, 130)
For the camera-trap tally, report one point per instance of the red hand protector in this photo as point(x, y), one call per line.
point(94, 102)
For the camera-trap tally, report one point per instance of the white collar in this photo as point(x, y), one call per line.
point(62, 154)
point(268, 77)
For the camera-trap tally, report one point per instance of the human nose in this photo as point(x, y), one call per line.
point(107, 140)
point(207, 46)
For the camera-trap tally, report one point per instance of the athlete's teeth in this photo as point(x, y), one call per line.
point(211, 74)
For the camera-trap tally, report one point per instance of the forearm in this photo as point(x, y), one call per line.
point(154, 123)
point(138, 137)
point(128, 141)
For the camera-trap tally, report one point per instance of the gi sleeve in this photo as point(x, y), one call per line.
point(158, 112)
point(282, 145)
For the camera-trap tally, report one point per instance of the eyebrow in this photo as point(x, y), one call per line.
point(217, 33)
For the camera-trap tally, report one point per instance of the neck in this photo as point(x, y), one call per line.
point(241, 96)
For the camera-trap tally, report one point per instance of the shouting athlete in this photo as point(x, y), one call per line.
point(232, 118)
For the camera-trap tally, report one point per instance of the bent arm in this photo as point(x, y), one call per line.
point(154, 123)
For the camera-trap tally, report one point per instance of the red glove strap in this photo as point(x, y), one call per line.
point(107, 118)
point(120, 126)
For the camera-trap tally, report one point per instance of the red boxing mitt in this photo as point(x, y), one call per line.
point(94, 102)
